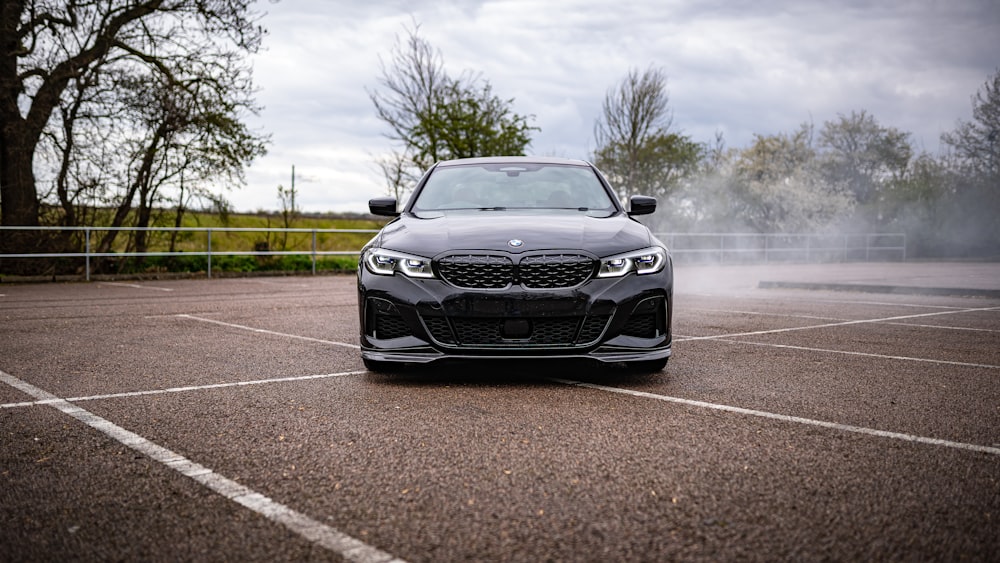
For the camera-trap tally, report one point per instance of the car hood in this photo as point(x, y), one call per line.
point(492, 230)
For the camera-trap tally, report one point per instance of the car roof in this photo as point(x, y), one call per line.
point(513, 160)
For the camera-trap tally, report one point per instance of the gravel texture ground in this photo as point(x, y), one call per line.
point(232, 419)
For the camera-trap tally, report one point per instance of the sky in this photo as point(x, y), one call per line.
point(739, 67)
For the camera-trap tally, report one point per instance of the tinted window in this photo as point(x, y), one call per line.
point(513, 186)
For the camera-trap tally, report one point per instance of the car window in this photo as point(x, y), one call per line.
point(513, 186)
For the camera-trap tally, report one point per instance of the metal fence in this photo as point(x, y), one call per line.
point(756, 248)
point(88, 254)
point(718, 248)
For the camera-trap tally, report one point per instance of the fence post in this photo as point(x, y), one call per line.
point(209, 253)
point(314, 251)
point(86, 236)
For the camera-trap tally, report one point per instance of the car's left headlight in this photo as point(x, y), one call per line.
point(645, 261)
point(388, 262)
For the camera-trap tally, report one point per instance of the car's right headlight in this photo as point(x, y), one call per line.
point(387, 262)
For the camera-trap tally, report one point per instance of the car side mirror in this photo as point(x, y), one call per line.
point(383, 206)
point(641, 205)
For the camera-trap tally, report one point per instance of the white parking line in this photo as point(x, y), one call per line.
point(137, 286)
point(843, 323)
point(680, 338)
point(271, 332)
point(294, 282)
point(792, 299)
point(182, 389)
point(815, 318)
point(865, 354)
point(316, 532)
point(786, 418)
point(945, 327)
point(760, 314)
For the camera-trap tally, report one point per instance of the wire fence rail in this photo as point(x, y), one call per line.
point(209, 242)
point(756, 248)
point(197, 242)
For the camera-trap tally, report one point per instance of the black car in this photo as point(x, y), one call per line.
point(515, 257)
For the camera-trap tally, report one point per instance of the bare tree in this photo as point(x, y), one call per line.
point(635, 147)
point(412, 81)
point(395, 169)
point(436, 117)
point(290, 211)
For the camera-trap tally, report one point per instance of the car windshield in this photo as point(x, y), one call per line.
point(501, 186)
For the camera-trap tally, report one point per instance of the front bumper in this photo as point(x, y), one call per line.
point(625, 319)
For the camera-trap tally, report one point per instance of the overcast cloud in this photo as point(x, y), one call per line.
point(739, 67)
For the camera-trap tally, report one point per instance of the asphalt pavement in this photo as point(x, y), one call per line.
point(232, 419)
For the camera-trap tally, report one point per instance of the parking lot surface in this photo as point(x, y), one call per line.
point(809, 412)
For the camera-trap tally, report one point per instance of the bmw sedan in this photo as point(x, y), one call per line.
point(514, 258)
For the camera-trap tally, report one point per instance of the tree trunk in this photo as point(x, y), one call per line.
point(20, 206)
point(178, 217)
point(144, 213)
point(18, 198)
point(17, 180)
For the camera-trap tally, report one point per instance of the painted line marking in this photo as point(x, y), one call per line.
point(759, 314)
point(826, 301)
point(185, 389)
point(787, 418)
point(316, 532)
point(815, 318)
point(271, 332)
point(944, 327)
point(137, 286)
point(678, 338)
point(864, 354)
point(291, 283)
point(843, 323)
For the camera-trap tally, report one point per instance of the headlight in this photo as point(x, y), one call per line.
point(646, 261)
point(388, 262)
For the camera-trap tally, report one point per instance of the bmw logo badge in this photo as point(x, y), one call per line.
point(516, 243)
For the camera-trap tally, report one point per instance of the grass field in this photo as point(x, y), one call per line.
point(251, 233)
point(239, 243)
point(263, 240)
